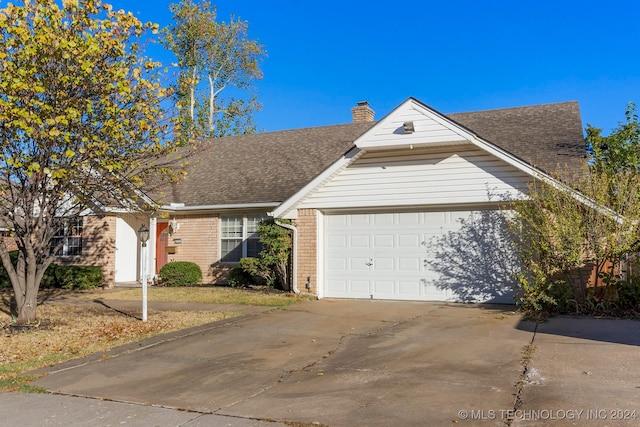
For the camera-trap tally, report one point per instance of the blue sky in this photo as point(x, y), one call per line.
point(324, 56)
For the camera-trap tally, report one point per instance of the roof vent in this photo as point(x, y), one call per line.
point(362, 113)
point(408, 127)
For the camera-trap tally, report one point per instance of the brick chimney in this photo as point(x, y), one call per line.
point(362, 113)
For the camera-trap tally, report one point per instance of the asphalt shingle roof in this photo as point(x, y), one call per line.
point(547, 136)
point(262, 167)
point(272, 166)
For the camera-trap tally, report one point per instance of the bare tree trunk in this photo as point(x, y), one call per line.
point(282, 274)
point(28, 276)
point(25, 279)
point(193, 93)
point(211, 105)
point(27, 306)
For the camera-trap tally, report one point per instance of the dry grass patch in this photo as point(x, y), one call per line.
point(201, 294)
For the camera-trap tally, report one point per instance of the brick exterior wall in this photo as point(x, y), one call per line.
point(199, 237)
point(98, 247)
point(307, 250)
point(199, 243)
point(9, 241)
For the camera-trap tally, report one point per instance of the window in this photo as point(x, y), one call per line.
point(71, 237)
point(239, 237)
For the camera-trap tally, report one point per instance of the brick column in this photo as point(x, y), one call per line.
point(99, 245)
point(307, 250)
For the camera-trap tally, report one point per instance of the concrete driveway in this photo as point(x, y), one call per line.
point(371, 363)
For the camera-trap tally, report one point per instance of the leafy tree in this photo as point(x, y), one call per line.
point(620, 150)
point(559, 232)
point(213, 57)
point(82, 127)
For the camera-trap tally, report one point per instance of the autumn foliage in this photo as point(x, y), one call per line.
point(83, 126)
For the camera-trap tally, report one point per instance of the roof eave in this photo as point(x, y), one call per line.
point(178, 208)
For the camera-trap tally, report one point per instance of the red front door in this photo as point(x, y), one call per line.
point(162, 240)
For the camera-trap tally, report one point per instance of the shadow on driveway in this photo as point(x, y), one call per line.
point(618, 331)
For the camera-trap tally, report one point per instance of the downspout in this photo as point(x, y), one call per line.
point(294, 267)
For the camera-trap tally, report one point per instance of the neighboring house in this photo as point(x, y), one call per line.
point(5, 235)
point(402, 208)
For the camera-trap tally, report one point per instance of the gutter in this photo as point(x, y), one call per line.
point(180, 207)
point(294, 267)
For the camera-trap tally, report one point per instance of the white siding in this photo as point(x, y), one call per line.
point(420, 177)
point(430, 128)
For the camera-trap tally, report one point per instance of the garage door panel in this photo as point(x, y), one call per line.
point(409, 218)
point(383, 241)
point(359, 264)
point(336, 242)
point(337, 287)
point(360, 288)
point(359, 241)
point(337, 265)
point(383, 288)
point(384, 265)
point(360, 220)
point(412, 265)
point(431, 293)
point(336, 221)
point(409, 241)
point(381, 220)
point(410, 288)
point(435, 218)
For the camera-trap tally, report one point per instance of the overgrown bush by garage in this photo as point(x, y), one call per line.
point(180, 273)
point(241, 278)
point(61, 276)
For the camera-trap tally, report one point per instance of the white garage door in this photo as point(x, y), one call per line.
point(385, 255)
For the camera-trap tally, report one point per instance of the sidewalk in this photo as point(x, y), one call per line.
point(21, 409)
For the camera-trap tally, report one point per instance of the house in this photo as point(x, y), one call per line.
point(400, 208)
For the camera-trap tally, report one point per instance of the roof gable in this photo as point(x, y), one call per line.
point(546, 136)
point(430, 128)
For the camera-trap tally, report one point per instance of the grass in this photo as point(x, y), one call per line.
point(207, 295)
point(71, 325)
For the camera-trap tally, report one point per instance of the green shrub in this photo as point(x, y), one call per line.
point(536, 298)
point(180, 273)
point(628, 292)
point(72, 277)
point(61, 276)
point(239, 278)
point(272, 264)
